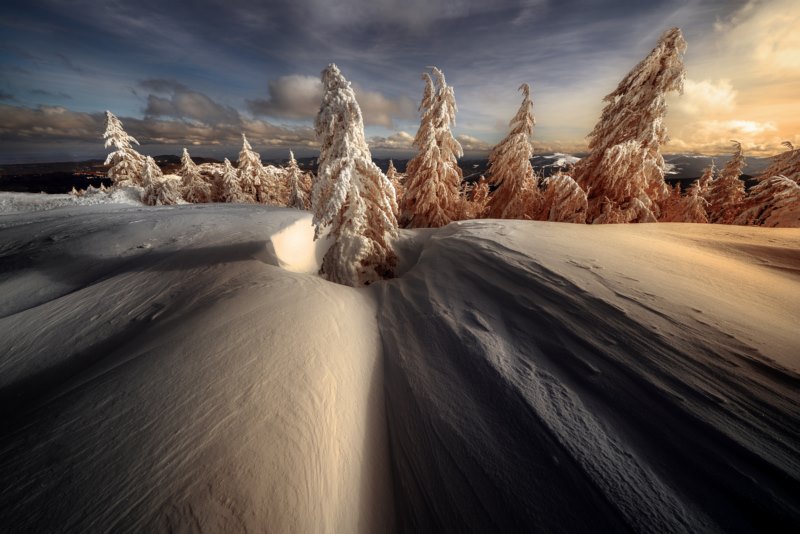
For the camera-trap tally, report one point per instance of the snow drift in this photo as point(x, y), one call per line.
point(183, 368)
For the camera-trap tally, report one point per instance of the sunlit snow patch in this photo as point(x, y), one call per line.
point(293, 248)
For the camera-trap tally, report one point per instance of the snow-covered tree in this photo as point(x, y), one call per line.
point(194, 188)
point(625, 164)
point(127, 165)
point(688, 207)
point(785, 164)
point(477, 206)
point(433, 176)
point(670, 208)
point(773, 202)
point(297, 195)
point(252, 177)
point(232, 186)
point(517, 193)
point(726, 192)
point(563, 200)
point(159, 190)
point(705, 179)
point(351, 195)
point(396, 180)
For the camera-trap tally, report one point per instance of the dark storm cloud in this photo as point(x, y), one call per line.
point(299, 97)
point(58, 124)
point(183, 103)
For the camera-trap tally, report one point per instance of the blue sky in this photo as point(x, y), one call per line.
point(196, 74)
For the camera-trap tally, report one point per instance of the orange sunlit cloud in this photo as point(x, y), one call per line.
point(742, 83)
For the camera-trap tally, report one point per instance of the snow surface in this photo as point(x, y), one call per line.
point(183, 368)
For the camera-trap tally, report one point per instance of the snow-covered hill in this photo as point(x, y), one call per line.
point(183, 368)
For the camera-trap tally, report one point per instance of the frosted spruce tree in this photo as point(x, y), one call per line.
point(689, 207)
point(194, 188)
point(705, 179)
point(232, 186)
point(298, 198)
point(774, 202)
point(159, 190)
point(252, 178)
point(351, 195)
point(672, 204)
point(563, 200)
point(624, 164)
point(516, 195)
point(127, 165)
point(396, 179)
point(726, 192)
point(785, 164)
point(433, 176)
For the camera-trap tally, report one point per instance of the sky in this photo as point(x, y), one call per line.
point(199, 73)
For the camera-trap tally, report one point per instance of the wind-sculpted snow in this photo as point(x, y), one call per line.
point(546, 378)
point(184, 368)
point(159, 373)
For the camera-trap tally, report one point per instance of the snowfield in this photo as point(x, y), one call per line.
point(184, 368)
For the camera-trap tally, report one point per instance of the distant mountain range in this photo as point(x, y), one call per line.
point(61, 177)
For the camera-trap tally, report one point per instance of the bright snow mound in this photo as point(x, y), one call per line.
point(184, 368)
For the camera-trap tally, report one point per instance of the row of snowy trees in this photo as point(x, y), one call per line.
point(250, 181)
point(358, 206)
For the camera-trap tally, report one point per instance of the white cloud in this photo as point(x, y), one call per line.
point(715, 136)
point(398, 141)
point(705, 96)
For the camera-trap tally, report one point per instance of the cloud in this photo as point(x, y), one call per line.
point(714, 137)
point(183, 103)
point(6, 96)
point(764, 32)
point(45, 125)
point(51, 123)
point(290, 97)
point(298, 97)
point(398, 141)
point(42, 92)
point(473, 144)
point(706, 96)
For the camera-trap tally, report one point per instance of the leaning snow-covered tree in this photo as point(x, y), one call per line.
point(516, 195)
point(624, 164)
point(773, 202)
point(195, 189)
point(563, 200)
point(726, 192)
point(297, 196)
point(351, 195)
point(159, 190)
point(433, 176)
point(232, 186)
point(785, 164)
point(127, 165)
point(705, 179)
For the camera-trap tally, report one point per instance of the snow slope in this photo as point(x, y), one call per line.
point(572, 378)
point(182, 368)
point(160, 372)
